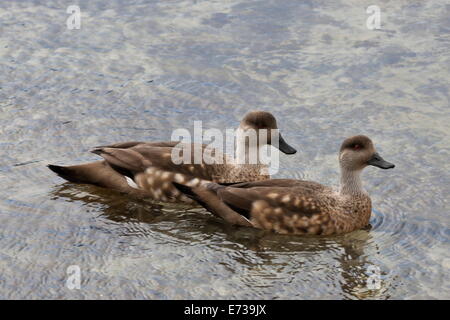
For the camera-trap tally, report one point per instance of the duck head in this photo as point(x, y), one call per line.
point(358, 152)
point(257, 120)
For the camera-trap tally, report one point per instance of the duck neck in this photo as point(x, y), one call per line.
point(351, 183)
point(246, 152)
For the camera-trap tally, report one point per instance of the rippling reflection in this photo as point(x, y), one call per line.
point(257, 258)
point(138, 69)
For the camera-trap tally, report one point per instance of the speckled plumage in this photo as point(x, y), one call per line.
point(295, 206)
point(150, 170)
point(301, 210)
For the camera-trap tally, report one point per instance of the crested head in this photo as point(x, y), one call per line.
point(358, 142)
point(259, 120)
point(357, 152)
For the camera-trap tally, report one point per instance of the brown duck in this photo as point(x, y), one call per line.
point(146, 169)
point(295, 206)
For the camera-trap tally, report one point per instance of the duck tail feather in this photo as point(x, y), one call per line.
point(66, 173)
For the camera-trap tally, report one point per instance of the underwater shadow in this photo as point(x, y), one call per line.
point(195, 225)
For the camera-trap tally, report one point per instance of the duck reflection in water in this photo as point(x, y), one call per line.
point(258, 256)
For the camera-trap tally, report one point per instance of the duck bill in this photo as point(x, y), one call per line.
point(284, 147)
point(379, 162)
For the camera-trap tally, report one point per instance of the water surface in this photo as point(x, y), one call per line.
point(138, 69)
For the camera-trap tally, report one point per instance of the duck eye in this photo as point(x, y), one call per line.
point(356, 147)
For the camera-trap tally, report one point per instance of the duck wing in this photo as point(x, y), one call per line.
point(131, 144)
point(140, 156)
point(270, 204)
point(288, 183)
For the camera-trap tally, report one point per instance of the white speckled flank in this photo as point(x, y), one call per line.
point(147, 169)
point(131, 183)
point(296, 206)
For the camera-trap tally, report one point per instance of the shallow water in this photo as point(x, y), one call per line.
point(136, 70)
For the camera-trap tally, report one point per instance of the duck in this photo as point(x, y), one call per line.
point(145, 170)
point(290, 206)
